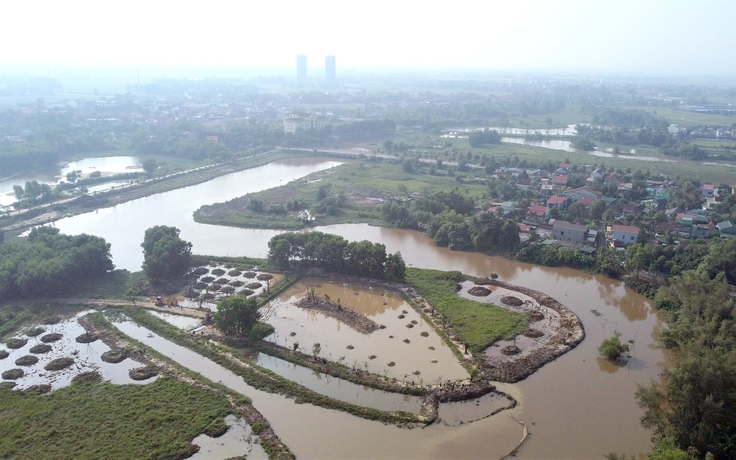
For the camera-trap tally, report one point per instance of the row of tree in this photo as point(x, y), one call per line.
point(334, 253)
point(50, 264)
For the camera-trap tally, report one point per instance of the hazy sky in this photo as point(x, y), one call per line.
point(670, 37)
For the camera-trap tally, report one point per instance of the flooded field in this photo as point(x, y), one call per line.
point(86, 356)
point(574, 407)
point(411, 354)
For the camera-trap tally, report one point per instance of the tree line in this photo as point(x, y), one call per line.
point(335, 254)
point(49, 263)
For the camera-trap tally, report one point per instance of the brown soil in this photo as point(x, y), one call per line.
point(91, 376)
point(535, 316)
point(207, 279)
point(59, 364)
point(479, 291)
point(4, 354)
point(27, 360)
point(201, 271)
point(236, 283)
point(35, 332)
point(218, 272)
point(569, 333)
point(38, 389)
point(13, 374)
point(16, 343)
point(114, 356)
point(264, 277)
point(254, 285)
point(53, 337)
point(512, 301)
point(234, 273)
point(143, 373)
point(347, 315)
point(249, 275)
point(533, 333)
point(510, 350)
point(40, 349)
point(87, 337)
point(221, 281)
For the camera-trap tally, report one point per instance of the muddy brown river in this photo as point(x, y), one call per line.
point(575, 407)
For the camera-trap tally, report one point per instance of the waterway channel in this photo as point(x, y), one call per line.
point(575, 407)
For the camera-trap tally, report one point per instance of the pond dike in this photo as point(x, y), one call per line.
point(569, 334)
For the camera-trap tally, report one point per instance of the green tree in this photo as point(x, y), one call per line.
point(165, 255)
point(149, 166)
point(237, 314)
point(597, 209)
point(612, 349)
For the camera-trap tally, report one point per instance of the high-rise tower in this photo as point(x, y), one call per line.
point(330, 70)
point(301, 69)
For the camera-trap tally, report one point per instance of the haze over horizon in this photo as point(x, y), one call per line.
point(649, 38)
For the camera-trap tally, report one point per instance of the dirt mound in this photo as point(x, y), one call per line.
point(214, 287)
point(51, 320)
point(143, 373)
point(265, 276)
point(236, 283)
point(535, 316)
point(4, 354)
point(234, 273)
point(533, 333)
point(37, 389)
point(8, 385)
point(424, 334)
point(245, 292)
point(16, 343)
point(479, 291)
point(510, 350)
point(114, 356)
point(512, 301)
point(35, 332)
point(53, 337)
point(249, 274)
point(40, 349)
point(91, 376)
point(87, 337)
point(221, 281)
point(352, 318)
point(254, 285)
point(218, 272)
point(27, 360)
point(13, 374)
point(59, 364)
point(207, 279)
point(201, 271)
point(227, 289)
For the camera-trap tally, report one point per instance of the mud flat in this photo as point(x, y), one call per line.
point(346, 315)
point(553, 331)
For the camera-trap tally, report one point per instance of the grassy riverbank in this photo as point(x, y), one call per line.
point(357, 188)
point(477, 324)
point(102, 420)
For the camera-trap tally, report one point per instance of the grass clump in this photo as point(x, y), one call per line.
point(41, 348)
point(478, 324)
point(59, 364)
point(158, 420)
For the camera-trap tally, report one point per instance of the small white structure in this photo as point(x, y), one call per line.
point(625, 234)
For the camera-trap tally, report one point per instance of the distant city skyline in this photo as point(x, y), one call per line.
point(639, 37)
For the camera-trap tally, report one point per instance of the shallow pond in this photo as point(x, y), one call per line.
point(416, 358)
point(186, 323)
point(339, 388)
point(87, 357)
point(238, 441)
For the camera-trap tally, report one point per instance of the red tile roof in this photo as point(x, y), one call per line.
point(560, 179)
point(625, 229)
point(556, 200)
point(537, 209)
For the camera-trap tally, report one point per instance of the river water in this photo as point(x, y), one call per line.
point(575, 407)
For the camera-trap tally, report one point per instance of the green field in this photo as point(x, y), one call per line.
point(90, 420)
point(364, 183)
point(478, 324)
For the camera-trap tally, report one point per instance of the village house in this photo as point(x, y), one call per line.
point(599, 173)
point(726, 229)
point(624, 234)
point(708, 190)
point(559, 202)
point(570, 232)
point(582, 193)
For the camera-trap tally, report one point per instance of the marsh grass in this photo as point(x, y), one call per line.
point(99, 420)
point(477, 324)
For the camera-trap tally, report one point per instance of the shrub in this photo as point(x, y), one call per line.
point(612, 349)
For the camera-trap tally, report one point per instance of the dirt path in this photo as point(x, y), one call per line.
point(145, 304)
